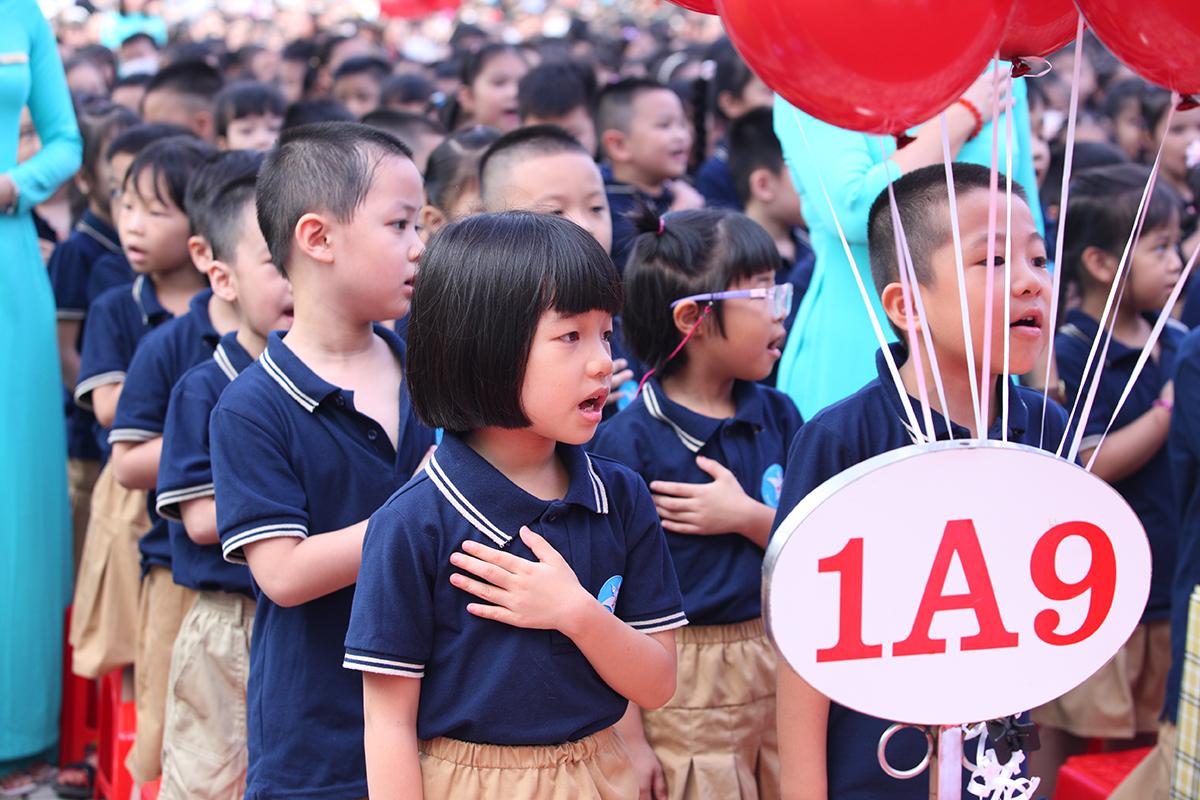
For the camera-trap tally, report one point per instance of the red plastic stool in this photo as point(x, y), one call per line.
point(118, 725)
point(79, 723)
point(149, 790)
point(1094, 777)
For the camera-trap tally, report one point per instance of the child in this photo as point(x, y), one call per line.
point(487, 94)
point(306, 112)
point(510, 357)
point(419, 132)
point(358, 84)
point(248, 116)
point(204, 736)
point(1124, 698)
point(129, 90)
point(556, 94)
point(827, 750)
point(1123, 108)
point(452, 179)
point(646, 139)
point(183, 94)
point(706, 312)
point(313, 437)
point(410, 93)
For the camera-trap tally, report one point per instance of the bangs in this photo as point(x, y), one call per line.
point(1163, 206)
point(577, 285)
point(749, 250)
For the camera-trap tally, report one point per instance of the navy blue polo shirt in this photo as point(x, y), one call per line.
point(1183, 448)
point(185, 469)
point(160, 361)
point(870, 422)
point(715, 181)
point(1148, 491)
point(484, 681)
point(115, 325)
point(624, 199)
point(291, 456)
point(720, 575)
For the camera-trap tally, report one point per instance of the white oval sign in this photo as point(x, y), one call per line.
point(955, 582)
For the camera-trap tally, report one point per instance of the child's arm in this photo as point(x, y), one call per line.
point(135, 464)
point(803, 719)
point(721, 506)
point(68, 356)
point(294, 571)
point(1127, 450)
point(546, 595)
point(652, 783)
point(104, 402)
point(390, 735)
point(199, 519)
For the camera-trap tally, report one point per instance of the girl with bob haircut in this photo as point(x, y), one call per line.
point(517, 594)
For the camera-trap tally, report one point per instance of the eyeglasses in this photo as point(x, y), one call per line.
point(778, 297)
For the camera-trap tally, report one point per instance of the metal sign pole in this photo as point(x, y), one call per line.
point(945, 771)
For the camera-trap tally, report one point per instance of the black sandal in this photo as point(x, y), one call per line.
point(72, 789)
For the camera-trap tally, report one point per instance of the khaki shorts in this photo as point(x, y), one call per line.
point(596, 767)
point(81, 477)
point(1125, 696)
point(716, 737)
point(1151, 779)
point(204, 730)
point(162, 605)
point(104, 620)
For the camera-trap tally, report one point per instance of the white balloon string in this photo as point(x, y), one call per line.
point(1069, 157)
point(862, 287)
point(963, 306)
point(1008, 190)
point(985, 372)
point(1109, 307)
point(1159, 324)
point(995, 781)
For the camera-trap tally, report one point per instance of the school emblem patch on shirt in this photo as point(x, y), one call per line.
point(772, 485)
point(608, 593)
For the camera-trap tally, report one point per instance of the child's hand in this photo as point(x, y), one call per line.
point(652, 783)
point(686, 197)
point(704, 508)
point(542, 594)
point(621, 375)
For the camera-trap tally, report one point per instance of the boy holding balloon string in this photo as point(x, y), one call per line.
point(828, 750)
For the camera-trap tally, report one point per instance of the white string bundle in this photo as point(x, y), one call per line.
point(995, 781)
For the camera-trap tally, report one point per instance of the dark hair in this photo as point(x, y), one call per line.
point(374, 66)
point(306, 52)
point(551, 90)
point(142, 79)
point(483, 285)
point(308, 112)
point(1121, 93)
point(698, 251)
point(138, 36)
point(731, 73)
point(405, 89)
point(524, 143)
point(923, 204)
point(465, 30)
point(247, 99)
point(1156, 102)
point(1088, 155)
point(207, 180)
point(191, 78)
point(139, 137)
point(226, 213)
point(1103, 207)
point(473, 65)
point(327, 166)
point(100, 125)
point(171, 163)
point(454, 165)
point(753, 145)
point(614, 108)
point(404, 125)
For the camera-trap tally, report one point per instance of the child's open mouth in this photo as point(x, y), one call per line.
point(1030, 324)
point(593, 406)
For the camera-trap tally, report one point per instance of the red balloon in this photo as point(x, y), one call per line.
point(703, 6)
point(411, 9)
point(1038, 27)
point(1157, 39)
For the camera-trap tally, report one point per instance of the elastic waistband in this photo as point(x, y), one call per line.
point(720, 634)
point(496, 756)
point(227, 604)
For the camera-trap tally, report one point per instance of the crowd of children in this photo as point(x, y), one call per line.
point(386, 482)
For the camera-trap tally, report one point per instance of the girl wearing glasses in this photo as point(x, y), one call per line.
point(703, 310)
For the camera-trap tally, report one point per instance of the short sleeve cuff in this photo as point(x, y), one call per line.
point(70, 314)
point(84, 389)
point(167, 503)
point(232, 546)
point(366, 661)
point(1091, 442)
point(659, 623)
point(134, 435)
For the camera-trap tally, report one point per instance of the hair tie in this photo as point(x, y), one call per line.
point(662, 226)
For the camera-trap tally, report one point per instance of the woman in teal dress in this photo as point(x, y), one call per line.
point(35, 532)
point(830, 353)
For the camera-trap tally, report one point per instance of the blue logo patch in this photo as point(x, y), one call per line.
point(608, 593)
point(772, 484)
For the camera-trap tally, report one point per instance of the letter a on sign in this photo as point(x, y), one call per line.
point(959, 539)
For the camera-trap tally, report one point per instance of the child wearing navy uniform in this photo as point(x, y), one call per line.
point(705, 310)
point(827, 750)
point(204, 737)
point(312, 438)
point(1125, 697)
point(496, 660)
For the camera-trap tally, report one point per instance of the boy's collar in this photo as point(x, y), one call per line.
point(1085, 328)
point(145, 297)
point(614, 186)
point(493, 504)
point(104, 234)
point(298, 381)
point(230, 356)
point(694, 430)
point(198, 308)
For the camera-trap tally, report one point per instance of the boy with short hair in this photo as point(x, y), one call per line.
point(204, 736)
point(419, 132)
point(249, 115)
point(358, 84)
point(826, 749)
point(555, 94)
point(311, 439)
point(646, 139)
point(183, 94)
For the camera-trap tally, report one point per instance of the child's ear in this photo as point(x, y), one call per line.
point(1098, 265)
point(763, 184)
point(892, 299)
point(685, 316)
point(431, 219)
point(204, 125)
point(466, 99)
point(82, 183)
point(311, 236)
point(200, 251)
point(223, 280)
point(615, 144)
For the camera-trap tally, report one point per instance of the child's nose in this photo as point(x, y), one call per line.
point(1027, 278)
